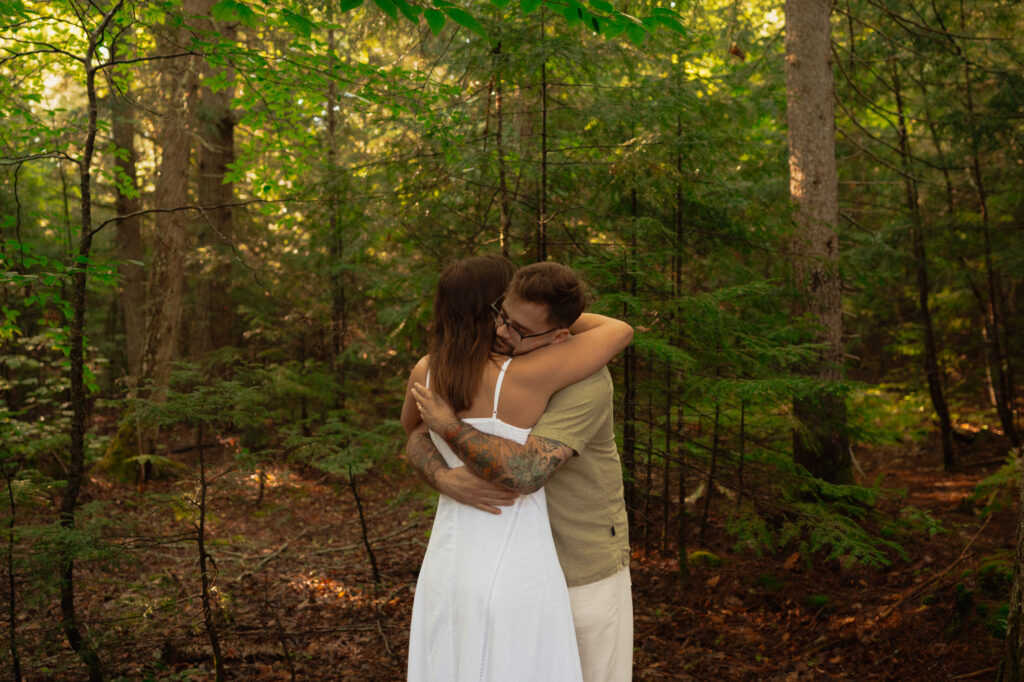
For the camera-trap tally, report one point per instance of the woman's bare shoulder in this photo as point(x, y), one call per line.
point(419, 370)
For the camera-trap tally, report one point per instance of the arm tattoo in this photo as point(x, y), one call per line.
point(424, 457)
point(523, 468)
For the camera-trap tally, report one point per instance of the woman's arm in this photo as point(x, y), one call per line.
point(411, 415)
point(587, 321)
point(568, 359)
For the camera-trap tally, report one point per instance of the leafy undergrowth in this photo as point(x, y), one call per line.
point(934, 616)
point(297, 600)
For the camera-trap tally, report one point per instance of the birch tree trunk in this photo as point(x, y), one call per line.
point(820, 443)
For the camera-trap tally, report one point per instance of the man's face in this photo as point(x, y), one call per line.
point(519, 319)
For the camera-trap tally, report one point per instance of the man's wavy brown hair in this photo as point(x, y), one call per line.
point(552, 284)
point(463, 332)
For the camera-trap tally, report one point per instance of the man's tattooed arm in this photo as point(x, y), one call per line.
point(522, 468)
point(460, 483)
point(424, 457)
point(519, 468)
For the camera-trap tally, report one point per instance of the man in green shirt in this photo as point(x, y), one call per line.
point(575, 438)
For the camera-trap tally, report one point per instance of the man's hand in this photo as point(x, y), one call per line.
point(462, 485)
point(435, 411)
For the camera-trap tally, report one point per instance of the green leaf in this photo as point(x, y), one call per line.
point(233, 10)
point(464, 18)
point(388, 6)
point(347, 5)
point(245, 14)
point(666, 12)
point(435, 20)
point(501, 4)
point(636, 34)
point(602, 5)
point(586, 17)
point(571, 15)
point(225, 10)
point(298, 23)
point(529, 6)
point(612, 29)
point(671, 23)
point(411, 12)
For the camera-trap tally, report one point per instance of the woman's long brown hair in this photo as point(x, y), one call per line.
point(463, 332)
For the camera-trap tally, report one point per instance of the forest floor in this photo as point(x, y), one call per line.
point(297, 598)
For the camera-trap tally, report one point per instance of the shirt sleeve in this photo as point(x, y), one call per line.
point(574, 414)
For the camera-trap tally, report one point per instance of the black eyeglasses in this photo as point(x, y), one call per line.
point(499, 317)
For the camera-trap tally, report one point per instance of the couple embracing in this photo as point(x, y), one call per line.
point(526, 575)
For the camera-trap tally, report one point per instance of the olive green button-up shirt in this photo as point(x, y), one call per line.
point(585, 499)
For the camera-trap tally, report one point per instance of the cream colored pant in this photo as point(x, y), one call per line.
point(603, 615)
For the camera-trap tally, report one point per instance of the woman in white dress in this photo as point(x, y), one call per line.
point(491, 602)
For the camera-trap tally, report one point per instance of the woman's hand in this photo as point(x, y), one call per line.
point(434, 410)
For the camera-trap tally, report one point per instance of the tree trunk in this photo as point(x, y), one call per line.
point(364, 528)
point(9, 473)
point(630, 378)
point(1011, 668)
point(179, 81)
point(212, 316)
point(666, 482)
point(542, 204)
point(206, 583)
point(682, 526)
point(920, 266)
point(999, 362)
point(339, 293)
point(132, 296)
point(505, 220)
point(78, 641)
point(821, 444)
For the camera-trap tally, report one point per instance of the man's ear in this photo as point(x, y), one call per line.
point(560, 335)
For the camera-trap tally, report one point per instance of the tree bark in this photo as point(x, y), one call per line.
point(920, 267)
point(179, 81)
point(70, 626)
point(995, 331)
point(132, 295)
point(206, 583)
point(212, 314)
point(629, 377)
point(505, 220)
point(9, 473)
point(339, 293)
point(821, 444)
point(1011, 668)
point(542, 204)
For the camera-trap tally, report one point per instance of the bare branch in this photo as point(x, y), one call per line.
point(201, 209)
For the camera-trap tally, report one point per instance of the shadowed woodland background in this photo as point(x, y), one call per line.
point(222, 223)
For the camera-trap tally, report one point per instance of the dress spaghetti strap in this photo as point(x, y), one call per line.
point(497, 387)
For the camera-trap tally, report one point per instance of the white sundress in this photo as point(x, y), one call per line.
point(491, 602)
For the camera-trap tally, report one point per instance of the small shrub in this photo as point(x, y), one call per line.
point(770, 582)
point(997, 619)
point(704, 558)
point(995, 576)
point(818, 602)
